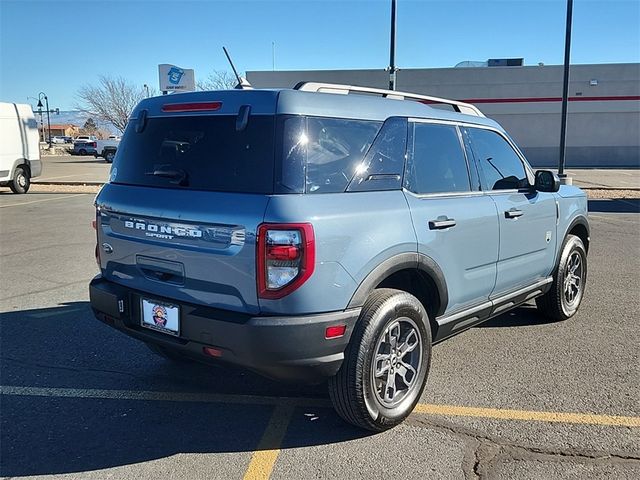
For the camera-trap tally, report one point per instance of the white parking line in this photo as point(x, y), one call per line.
point(46, 179)
point(43, 200)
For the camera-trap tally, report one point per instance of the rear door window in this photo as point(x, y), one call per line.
point(198, 152)
point(436, 163)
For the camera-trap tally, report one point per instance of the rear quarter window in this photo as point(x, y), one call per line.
point(322, 155)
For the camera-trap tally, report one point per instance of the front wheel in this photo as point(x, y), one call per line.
point(21, 181)
point(386, 364)
point(563, 299)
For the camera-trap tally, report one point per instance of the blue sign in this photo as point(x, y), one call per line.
point(175, 74)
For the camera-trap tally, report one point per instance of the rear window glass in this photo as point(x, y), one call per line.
point(198, 152)
point(322, 155)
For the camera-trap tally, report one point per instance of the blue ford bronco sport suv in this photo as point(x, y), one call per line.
point(328, 232)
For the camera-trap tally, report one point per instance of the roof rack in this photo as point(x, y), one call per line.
point(459, 107)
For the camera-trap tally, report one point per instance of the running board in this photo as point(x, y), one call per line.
point(452, 324)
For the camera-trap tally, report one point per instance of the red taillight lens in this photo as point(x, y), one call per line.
point(191, 107)
point(212, 352)
point(335, 331)
point(94, 145)
point(285, 258)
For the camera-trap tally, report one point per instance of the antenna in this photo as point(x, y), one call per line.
point(235, 72)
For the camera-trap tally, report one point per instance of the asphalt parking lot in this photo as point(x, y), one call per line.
point(515, 398)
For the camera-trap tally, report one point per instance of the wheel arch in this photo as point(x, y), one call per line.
point(579, 227)
point(414, 273)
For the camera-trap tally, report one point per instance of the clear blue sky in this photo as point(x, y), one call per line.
point(57, 46)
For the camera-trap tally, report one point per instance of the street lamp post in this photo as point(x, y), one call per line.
point(565, 93)
point(146, 87)
point(39, 105)
point(46, 101)
point(392, 48)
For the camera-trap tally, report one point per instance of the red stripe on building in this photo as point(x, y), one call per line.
point(551, 99)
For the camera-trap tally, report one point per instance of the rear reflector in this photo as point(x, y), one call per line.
point(191, 107)
point(335, 331)
point(212, 352)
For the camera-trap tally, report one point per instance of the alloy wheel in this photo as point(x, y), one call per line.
point(397, 362)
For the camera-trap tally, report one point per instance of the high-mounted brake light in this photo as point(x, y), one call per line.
point(285, 258)
point(191, 107)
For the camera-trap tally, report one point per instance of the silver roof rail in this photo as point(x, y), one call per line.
point(460, 107)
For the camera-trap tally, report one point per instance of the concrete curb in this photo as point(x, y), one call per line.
point(70, 184)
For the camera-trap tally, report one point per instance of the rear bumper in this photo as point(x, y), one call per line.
point(282, 347)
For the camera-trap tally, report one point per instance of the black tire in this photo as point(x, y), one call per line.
point(21, 180)
point(353, 390)
point(556, 303)
point(82, 151)
point(108, 157)
point(168, 354)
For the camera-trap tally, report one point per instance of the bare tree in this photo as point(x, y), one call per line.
point(111, 100)
point(218, 80)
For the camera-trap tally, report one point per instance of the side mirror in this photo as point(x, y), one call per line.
point(547, 181)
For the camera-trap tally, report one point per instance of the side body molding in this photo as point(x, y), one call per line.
point(412, 260)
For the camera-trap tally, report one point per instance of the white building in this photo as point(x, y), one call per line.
point(604, 104)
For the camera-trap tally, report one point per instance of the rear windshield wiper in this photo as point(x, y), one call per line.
point(177, 176)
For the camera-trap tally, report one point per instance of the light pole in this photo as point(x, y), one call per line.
point(146, 87)
point(46, 101)
point(392, 48)
point(565, 92)
point(39, 113)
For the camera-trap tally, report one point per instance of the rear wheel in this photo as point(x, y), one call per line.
point(109, 155)
point(82, 151)
point(21, 180)
point(386, 364)
point(563, 299)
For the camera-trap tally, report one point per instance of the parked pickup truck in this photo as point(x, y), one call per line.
point(112, 141)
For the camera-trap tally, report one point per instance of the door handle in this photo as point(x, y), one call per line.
point(513, 213)
point(440, 224)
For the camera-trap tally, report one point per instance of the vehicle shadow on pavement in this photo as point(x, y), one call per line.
point(615, 205)
point(525, 315)
point(79, 429)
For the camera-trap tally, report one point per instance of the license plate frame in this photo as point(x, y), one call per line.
point(153, 311)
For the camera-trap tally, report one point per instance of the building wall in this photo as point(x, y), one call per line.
point(604, 119)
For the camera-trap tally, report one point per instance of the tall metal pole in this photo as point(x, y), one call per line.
point(392, 48)
point(565, 90)
point(46, 103)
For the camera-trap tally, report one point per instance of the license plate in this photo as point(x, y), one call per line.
point(160, 316)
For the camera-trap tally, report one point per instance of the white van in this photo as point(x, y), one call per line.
point(19, 147)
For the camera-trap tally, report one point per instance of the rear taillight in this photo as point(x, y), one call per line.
point(286, 258)
point(94, 145)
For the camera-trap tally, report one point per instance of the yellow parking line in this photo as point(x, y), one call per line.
point(266, 454)
point(421, 408)
point(536, 416)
